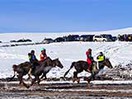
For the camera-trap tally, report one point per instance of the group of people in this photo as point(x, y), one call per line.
point(34, 61)
point(90, 60)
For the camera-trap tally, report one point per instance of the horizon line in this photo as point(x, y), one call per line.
point(66, 31)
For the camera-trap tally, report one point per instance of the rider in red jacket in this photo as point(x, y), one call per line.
point(89, 58)
point(43, 55)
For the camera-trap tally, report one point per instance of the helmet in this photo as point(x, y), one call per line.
point(101, 53)
point(32, 51)
point(43, 49)
point(90, 49)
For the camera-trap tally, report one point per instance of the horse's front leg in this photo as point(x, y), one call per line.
point(33, 81)
point(43, 75)
point(38, 80)
point(29, 74)
point(20, 78)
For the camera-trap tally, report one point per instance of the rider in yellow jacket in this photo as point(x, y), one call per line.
point(100, 59)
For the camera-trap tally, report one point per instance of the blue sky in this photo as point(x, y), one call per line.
point(64, 15)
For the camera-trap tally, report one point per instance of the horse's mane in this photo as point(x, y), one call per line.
point(107, 58)
point(48, 58)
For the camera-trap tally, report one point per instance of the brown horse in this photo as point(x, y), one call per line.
point(82, 65)
point(20, 70)
point(42, 69)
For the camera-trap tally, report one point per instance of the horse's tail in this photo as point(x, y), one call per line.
point(69, 69)
point(11, 78)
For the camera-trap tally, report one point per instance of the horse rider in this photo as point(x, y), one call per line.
point(43, 55)
point(89, 59)
point(33, 60)
point(100, 58)
point(32, 57)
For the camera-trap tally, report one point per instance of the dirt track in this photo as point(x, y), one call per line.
point(11, 90)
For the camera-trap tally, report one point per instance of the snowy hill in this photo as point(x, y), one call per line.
point(118, 52)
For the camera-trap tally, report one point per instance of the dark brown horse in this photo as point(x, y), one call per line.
point(20, 70)
point(42, 69)
point(82, 65)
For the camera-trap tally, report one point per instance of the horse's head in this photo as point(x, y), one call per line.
point(57, 63)
point(107, 63)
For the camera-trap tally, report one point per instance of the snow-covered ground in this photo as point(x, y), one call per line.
point(67, 52)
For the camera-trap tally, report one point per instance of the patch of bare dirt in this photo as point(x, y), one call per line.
point(11, 90)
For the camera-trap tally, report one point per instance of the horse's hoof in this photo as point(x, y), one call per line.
point(63, 78)
point(88, 80)
point(27, 87)
point(73, 79)
point(78, 80)
point(85, 78)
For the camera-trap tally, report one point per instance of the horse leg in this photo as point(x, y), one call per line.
point(20, 78)
point(92, 77)
point(29, 77)
point(75, 78)
point(38, 80)
point(33, 81)
point(43, 75)
point(10, 79)
point(29, 74)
